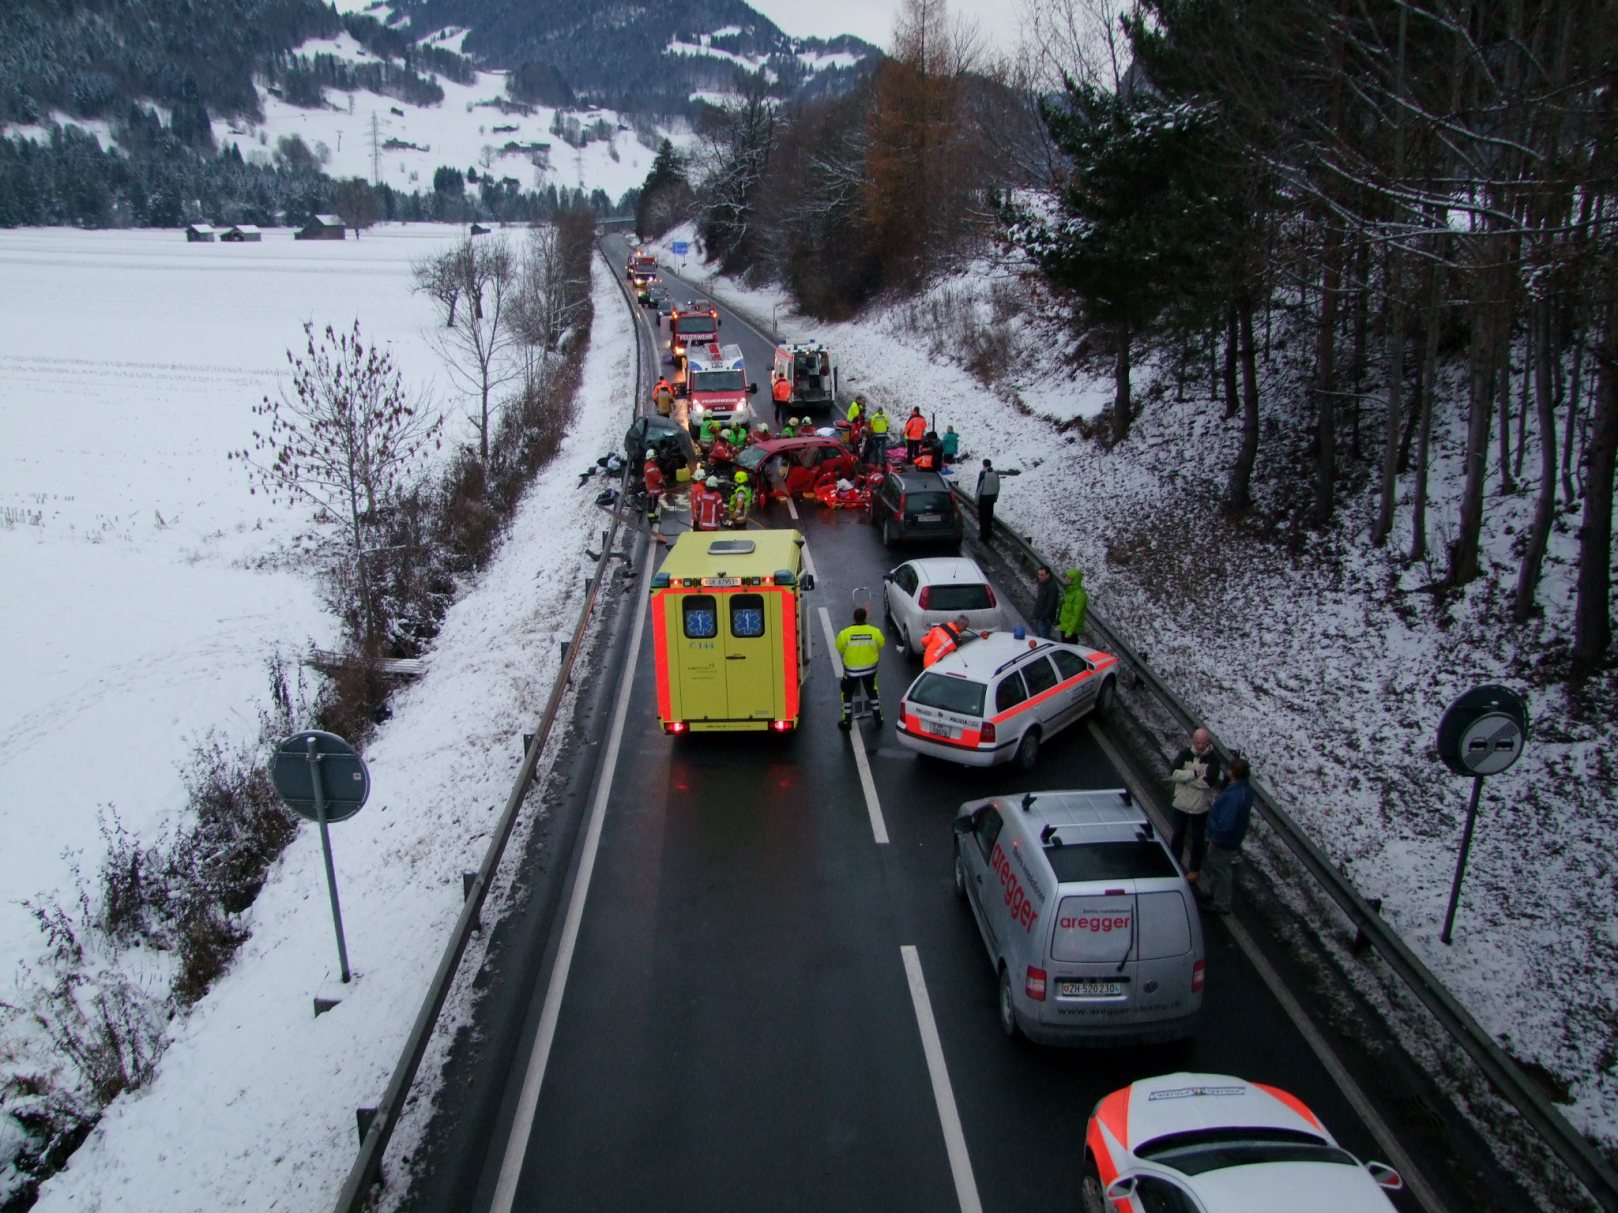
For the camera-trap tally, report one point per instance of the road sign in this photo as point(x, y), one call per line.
point(680, 248)
point(1483, 731)
point(344, 781)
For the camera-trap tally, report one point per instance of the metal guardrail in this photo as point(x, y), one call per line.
point(1570, 1146)
point(379, 1123)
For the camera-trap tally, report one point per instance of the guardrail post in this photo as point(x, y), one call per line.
point(362, 1119)
point(468, 879)
point(1361, 939)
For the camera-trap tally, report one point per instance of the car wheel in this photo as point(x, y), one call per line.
point(888, 536)
point(1008, 1009)
point(1028, 750)
point(1107, 697)
point(1092, 1196)
point(960, 874)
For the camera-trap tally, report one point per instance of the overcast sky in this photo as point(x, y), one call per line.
point(873, 19)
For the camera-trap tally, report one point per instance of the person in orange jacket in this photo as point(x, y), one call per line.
point(781, 393)
point(915, 430)
point(945, 638)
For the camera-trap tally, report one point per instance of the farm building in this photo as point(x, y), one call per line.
point(479, 230)
point(243, 233)
point(201, 233)
point(322, 227)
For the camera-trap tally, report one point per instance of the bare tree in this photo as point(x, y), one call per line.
point(439, 276)
point(344, 439)
point(479, 344)
point(549, 300)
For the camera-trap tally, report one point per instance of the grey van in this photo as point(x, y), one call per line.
point(1089, 923)
point(910, 505)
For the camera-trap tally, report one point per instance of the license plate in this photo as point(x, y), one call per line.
point(929, 518)
point(721, 582)
point(943, 730)
point(1091, 989)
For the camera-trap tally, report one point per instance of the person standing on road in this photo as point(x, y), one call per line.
point(1227, 827)
point(988, 494)
point(859, 645)
point(1047, 600)
point(781, 393)
point(663, 397)
point(876, 449)
point(950, 444)
point(707, 505)
point(1195, 775)
point(652, 477)
point(915, 430)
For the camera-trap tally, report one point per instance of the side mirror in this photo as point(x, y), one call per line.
point(807, 581)
point(1385, 1176)
point(963, 824)
point(752, 389)
point(887, 576)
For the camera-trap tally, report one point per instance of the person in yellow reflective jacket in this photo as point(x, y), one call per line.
point(858, 645)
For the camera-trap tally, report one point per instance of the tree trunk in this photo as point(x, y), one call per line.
point(1383, 525)
point(1231, 403)
point(1592, 621)
point(1121, 414)
point(1575, 390)
point(1241, 473)
point(1424, 391)
point(1325, 377)
point(1539, 358)
point(1464, 554)
point(1502, 393)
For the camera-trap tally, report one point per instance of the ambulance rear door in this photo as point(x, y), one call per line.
point(751, 637)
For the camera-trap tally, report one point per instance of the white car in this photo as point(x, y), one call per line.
point(1209, 1143)
point(920, 594)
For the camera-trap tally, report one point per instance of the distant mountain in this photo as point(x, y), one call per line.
point(648, 58)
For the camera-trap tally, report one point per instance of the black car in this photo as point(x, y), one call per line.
point(911, 505)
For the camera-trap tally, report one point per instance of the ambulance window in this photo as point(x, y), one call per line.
point(1039, 675)
point(700, 619)
point(747, 615)
point(1069, 665)
point(1164, 928)
point(1010, 692)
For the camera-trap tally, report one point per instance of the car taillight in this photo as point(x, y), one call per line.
point(1034, 987)
point(993, 602)
point(901, 509)
point(1199, 974)
point(675, 726)
point(986, 733)
point(924, 597)
point(781, 726)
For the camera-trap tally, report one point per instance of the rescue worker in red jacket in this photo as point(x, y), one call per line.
point(915, 430)
point(944, 638)
point(707, 505)
point(722, 454)
point(652, 477)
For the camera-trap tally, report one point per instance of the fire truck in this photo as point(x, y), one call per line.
point(693, 323)
point(716, 385)
point(813, 373)
point(642, 267)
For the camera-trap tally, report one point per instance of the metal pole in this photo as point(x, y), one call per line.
point(325, 848)
point(1460, 863)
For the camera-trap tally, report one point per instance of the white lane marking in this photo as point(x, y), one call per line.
point(856, 740)
point(522, 1125)
point(1333, 1065)
point(792, 508)
point(949, 1117)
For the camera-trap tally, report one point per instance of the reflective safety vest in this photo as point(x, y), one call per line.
point(858, 645)
point(741, 500)
point(879, 422)
point(782, 391)
point(915, 428)
point(942, 639)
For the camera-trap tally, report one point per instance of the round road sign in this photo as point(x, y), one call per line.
point(315, 761)
point(1484, 731)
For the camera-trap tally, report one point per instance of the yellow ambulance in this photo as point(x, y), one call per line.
point(730, 632)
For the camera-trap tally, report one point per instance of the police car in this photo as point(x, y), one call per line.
point(1000, 697)
point(1209, 1143)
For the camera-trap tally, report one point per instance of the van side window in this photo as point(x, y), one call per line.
point(698, 617)
point(747, 615)
point(1164, 929)
point(986, 828)
point(1039, 674)
point(1010, 692)
point(1068, 665)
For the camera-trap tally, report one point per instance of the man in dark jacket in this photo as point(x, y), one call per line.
point(1047, 601)
point(1227, 826)
point(988, 494)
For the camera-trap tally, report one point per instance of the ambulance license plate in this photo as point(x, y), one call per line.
point(1091, 989)
point(721, 582)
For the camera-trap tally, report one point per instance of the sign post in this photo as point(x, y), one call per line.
point(321, 778)
point(1482, 733)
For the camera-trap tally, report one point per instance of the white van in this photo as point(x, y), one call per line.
point(1089, 922)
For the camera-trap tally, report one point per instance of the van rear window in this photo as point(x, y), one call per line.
point(951, 694)
point(958, 598)
point(1136, 859)
point(698, 616)
point(927, 503)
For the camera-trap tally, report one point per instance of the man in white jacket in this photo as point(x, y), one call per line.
point(1195, 774)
